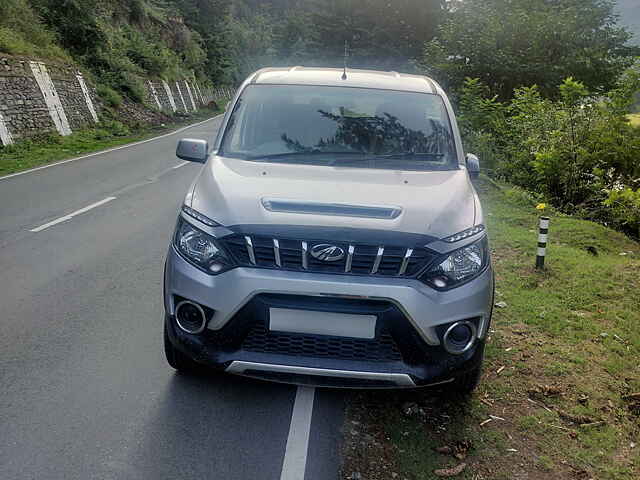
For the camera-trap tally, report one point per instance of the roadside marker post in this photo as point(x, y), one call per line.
point(543, 235)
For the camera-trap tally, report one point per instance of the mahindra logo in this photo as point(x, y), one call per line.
point(327, 253)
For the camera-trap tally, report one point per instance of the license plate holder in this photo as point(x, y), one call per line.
point(322, 323)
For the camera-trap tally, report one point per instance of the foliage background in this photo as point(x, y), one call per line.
point(543, 88)
point(507, 43)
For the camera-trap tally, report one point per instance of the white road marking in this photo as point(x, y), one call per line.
point(109, 150)
point(180, 165)
point(71, 215)
point(295, 454)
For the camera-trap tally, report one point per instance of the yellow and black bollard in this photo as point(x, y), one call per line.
point(543, 234)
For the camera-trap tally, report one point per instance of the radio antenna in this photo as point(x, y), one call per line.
point(346, 54)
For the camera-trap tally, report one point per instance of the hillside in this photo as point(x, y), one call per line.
point(81, 75)
point(121, 42)
point(221, 41)
point(630, 16)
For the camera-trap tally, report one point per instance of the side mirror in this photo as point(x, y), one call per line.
point(473, 165)
point(193, 150)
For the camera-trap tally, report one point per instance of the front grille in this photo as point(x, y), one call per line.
point(381, 349)
point(357, 259)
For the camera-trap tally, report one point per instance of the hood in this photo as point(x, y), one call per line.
point(239, 192)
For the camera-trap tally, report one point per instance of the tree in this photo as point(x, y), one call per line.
point(336, 22)
point(292, 36)
point(381, 34)
point(250, 44)
point(514, 43)
point(240, 36)
point(210, 18)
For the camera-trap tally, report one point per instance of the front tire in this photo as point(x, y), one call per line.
point(176, 358)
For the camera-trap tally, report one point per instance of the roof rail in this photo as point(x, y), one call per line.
point(254, 79)
point(431, 84)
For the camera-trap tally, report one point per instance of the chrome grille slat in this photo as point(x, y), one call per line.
point(252, 255)
point(376, 264)
point(305, 260)
point(405, 261)
point(349, 263)
point(276, 252)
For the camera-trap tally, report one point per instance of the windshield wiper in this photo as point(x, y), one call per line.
point(390, 156)
point(316, 152)
point(411, 154)
point(353, 156)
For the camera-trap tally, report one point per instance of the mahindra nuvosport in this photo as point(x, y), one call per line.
point(333, 237)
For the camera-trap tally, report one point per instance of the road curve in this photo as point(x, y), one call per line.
point(85, 390)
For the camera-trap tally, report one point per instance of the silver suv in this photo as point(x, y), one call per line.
point(333, 237)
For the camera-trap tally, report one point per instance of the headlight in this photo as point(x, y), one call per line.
point(200, 249)
point(459, 266)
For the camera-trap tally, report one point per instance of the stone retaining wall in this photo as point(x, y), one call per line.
point(22, 105)
point(44, 98)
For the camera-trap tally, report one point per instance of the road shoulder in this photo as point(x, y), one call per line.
point(31, 156)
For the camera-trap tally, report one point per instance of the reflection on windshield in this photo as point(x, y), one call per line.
point(292, 121)
point(377, 136)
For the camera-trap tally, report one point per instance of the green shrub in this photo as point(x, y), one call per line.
point(579, 152)
point(133, 86)
point(624, 206)
point(22, 32)
point(110, 97)
point(101, 134)
point(117, 129)
point(13, 42)
point(137, 11)
point(110, 128)
point(523, 198)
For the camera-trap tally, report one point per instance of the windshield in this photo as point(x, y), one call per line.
point(340, 125)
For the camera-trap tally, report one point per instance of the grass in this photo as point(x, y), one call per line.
point(23, 33)
point(569, 342)
point(53, 148)
point(15, 43)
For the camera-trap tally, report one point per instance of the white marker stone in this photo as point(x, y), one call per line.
point(193, 103)
point(5, 134)
point(154, 94)
point(172, 102)
point(198, 93)
point(204, 102)
point(181, 97)
point(87, 97)
point(51, 98)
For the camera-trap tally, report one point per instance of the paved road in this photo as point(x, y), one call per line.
point(85, 392)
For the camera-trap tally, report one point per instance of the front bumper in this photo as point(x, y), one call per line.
point(409, 312)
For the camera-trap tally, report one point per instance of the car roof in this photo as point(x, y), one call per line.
point(355, 78)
